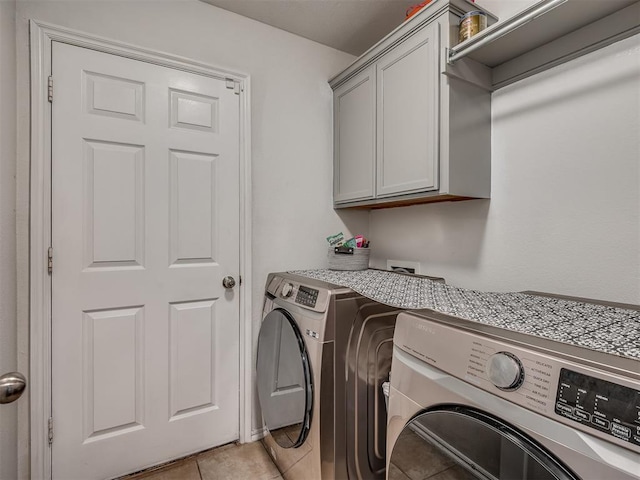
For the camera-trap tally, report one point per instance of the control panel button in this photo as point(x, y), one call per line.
point(620, 430)
point(581, 414)
point(313, 334)
point(287, 290)
point(601, 422)
point(505, 371)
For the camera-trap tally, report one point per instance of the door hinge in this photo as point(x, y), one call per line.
point(50, 260)
point(50, 89)
point(239, 279)
point(233, 84)
point(50, 423)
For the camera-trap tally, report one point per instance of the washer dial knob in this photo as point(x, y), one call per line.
point(287, 290)
point(505, 371)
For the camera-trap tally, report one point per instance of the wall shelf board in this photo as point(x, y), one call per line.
point(569, 30)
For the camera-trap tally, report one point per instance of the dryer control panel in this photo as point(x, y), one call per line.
point(604, 406)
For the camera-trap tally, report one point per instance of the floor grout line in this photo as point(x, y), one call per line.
point(198, 467)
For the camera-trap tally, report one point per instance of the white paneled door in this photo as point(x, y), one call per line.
point(145, 204)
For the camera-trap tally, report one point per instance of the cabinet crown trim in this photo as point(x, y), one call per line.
point(405, 30)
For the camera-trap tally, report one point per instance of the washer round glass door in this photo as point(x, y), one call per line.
point(461, 443)
point(285, 388)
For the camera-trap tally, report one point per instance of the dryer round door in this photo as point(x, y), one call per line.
point(285, 388)
point(463, 443)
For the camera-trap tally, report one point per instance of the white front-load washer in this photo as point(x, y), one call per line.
point(469, 400)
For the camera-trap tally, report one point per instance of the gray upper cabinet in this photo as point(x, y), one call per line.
point(407, 116)
point(404, 132)
point(354, 138)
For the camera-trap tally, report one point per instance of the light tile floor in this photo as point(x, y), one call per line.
point(229, 462)
point(413, 459)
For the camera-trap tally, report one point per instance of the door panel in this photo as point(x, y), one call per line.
point(408, 116)
point(193, 179)
point(114, 199)
point(192, 359)
point(114, 97)
point(354, 131)
point(145, 215)
point(113, 390)
point(193, 111)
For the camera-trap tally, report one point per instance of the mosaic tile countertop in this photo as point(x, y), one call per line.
point(603, 328)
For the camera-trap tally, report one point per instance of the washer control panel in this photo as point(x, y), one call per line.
point(604, 406)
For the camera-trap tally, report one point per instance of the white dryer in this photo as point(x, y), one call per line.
point(468, 400)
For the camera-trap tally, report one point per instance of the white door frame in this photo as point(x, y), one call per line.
point(42, 35)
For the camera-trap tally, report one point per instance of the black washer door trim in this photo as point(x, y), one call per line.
point(306, 369)
point(465, 442)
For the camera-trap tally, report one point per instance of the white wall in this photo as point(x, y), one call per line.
point(8, 413)
point(564, 214)
point(291, 117)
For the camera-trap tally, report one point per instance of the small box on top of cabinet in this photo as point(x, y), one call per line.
point(407, 131)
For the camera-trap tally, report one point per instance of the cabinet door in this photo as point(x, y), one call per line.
point(408, 115)
point(354, 105)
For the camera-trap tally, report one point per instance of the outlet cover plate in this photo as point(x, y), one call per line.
point(405, 265)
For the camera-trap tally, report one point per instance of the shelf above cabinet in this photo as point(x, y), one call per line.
point(543, 39)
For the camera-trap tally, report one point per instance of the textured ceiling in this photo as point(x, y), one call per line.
point(351, 26)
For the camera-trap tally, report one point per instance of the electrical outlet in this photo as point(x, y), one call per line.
point(403, 266)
